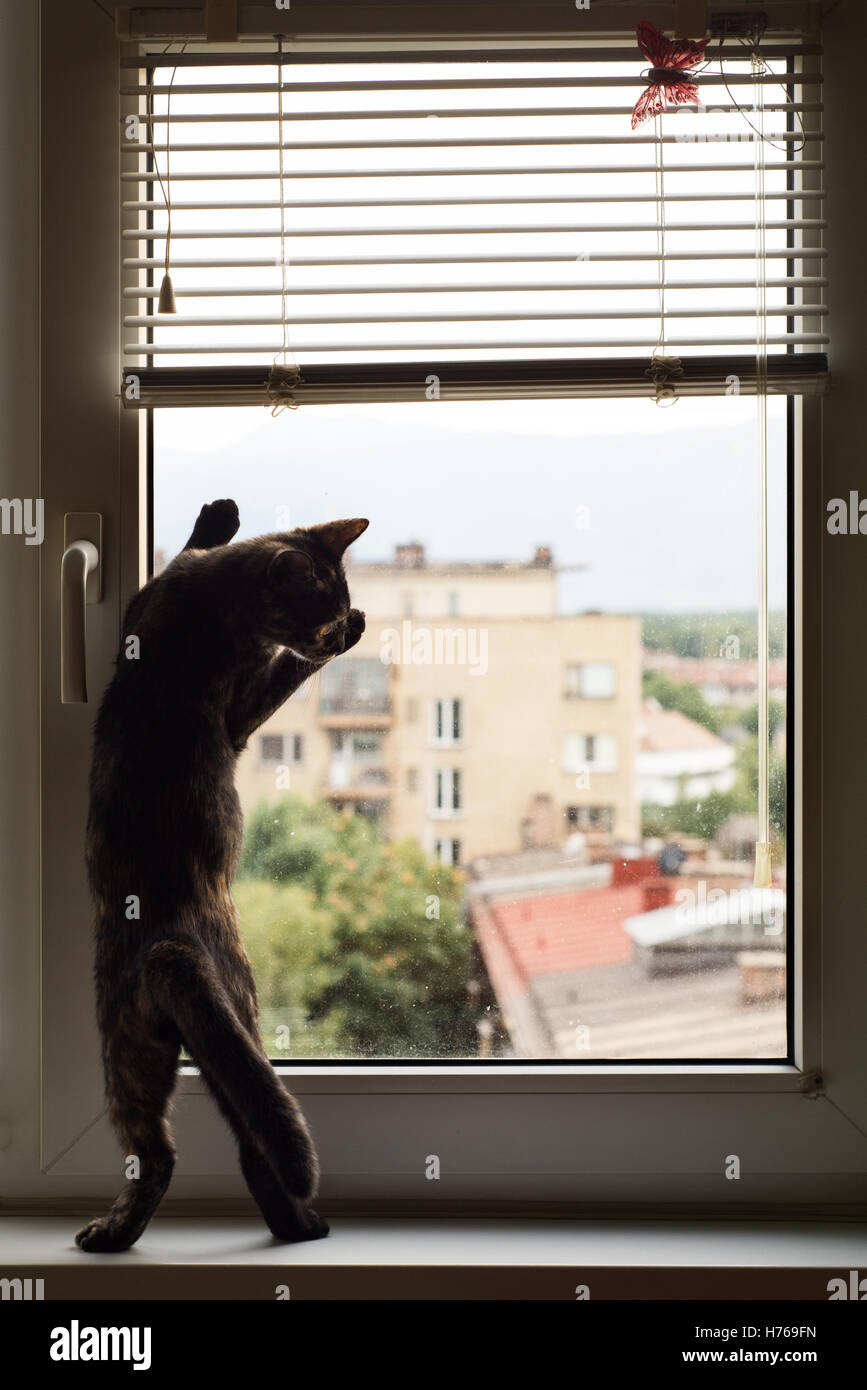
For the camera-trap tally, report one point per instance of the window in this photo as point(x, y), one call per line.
point(281, 748)
point(271, 748)
point(591, 680)
point(447, 791)
point(447, 722)
point(448, 851)
point(354, 685)
point(648, 1097)
point(590, 818)
point(597, 752)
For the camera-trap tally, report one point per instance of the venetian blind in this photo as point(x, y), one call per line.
point(488, 217)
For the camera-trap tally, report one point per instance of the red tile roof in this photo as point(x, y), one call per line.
point(557, 932)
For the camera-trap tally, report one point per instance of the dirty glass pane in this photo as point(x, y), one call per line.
point(517, 821)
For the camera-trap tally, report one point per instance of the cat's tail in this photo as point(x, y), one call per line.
point(183, 984)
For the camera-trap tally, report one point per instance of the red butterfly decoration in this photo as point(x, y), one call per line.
point(669, 77)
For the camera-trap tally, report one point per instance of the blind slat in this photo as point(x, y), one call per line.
point(518, 287)
point(489, 258)
point(409, 84)
point(493, 200)
point(464, 344)
point(419, 171)
point(453, 142)
point(578, 52)
point(508, 229)
point(473, 316)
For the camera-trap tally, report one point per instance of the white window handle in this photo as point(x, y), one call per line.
point(80, 559)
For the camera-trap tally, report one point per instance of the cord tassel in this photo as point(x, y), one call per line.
point(166, 303)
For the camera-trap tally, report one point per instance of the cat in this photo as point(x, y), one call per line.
point(211, 648)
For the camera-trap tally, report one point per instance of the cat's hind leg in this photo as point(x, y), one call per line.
point(184, 984)
point(286, 1217)
point(140, 1079)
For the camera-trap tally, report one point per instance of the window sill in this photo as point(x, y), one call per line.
point(438, 1258)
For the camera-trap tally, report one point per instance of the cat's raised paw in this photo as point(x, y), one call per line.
point(217, 523)
point(355, 624)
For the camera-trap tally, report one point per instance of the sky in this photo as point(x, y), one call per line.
point(670, 492)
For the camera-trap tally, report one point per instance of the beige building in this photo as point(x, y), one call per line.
point(471, 716)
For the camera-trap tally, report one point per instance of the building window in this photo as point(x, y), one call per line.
point(448, 791)
point(355, 685)
point(590, 680)
point(412, 780)
point(590, 817)
point(590, 753)
point(271, 748)
point(448, 850)
point(447, 722)
point(453, 604)
point(281, 748)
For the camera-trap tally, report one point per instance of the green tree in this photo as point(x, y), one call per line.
point(702, 818)
point(704, 634)
point(391, 956)
point(682, 696)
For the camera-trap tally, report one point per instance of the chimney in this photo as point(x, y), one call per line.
point(543, 559)
point(410, 556)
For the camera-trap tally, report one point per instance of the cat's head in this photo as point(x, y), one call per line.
point(305, 598)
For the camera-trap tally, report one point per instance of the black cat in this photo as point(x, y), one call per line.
point(211, 648)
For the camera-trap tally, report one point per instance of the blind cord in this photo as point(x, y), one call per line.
point(166, 302)
point(663, 371)
point(762, 876)
point(283, 376)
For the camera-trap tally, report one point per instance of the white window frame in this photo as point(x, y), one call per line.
point(447, 738)
point(505, 1134)
point(287, 750)
point(445, 779)
point(589, 759)
point(444, 849)
point(581, 693)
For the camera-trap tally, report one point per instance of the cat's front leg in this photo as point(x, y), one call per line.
point(257, 700)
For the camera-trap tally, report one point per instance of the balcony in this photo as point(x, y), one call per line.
point(355, 694)
point(368, 781)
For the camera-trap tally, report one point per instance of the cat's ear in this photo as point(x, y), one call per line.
point(290, 566)
point(335, 536)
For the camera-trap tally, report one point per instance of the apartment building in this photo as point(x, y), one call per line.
point(472, 716)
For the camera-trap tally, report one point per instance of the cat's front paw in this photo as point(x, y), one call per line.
point(217, 523)
point(354, 627)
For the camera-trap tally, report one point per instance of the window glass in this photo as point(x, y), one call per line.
point(536, 816)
